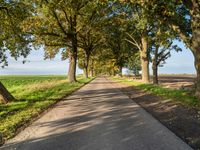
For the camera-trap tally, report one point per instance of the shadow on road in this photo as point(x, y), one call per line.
point(98, 117)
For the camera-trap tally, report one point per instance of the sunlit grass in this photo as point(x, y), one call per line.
point(33, 95)
point(184, 96)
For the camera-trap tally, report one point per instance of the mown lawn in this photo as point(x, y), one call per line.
point(184, 96)
point(33, 95)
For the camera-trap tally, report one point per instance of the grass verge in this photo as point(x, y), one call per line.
point(184, 96)
point(33, 94)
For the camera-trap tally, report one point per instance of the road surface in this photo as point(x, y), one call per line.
point(96, 117)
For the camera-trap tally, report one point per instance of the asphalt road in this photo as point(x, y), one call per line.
point(96, 117)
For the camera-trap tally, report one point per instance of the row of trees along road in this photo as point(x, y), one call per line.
point(103, 36)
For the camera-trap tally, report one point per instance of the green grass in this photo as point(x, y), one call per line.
point(184, 96)
point(33, 95)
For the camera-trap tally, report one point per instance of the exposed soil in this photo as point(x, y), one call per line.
point(177, 82)
point(183, 120)
point(174, 81)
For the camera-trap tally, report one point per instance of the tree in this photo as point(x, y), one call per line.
point(192, 40)
point(142, 21)
point(134, 63)
point(102, 62)
point(56, 25)
point(141, 42)
point(12, 39)
point(160, 54)
point(115, 36)
point(90, 38)
point(116, 43)
point(183, 17)
point(161, 45)
point(90, 41)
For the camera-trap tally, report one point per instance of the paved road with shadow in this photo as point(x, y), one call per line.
point(96, 117)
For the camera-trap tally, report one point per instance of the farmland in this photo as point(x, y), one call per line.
point(177, 81)
point(174, 81)
point(33, 94)
point(176, 87)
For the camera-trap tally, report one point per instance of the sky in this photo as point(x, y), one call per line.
point(178, 63)
point(36, 65)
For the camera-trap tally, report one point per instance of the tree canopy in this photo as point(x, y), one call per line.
point(13, 40)
point(103, 36)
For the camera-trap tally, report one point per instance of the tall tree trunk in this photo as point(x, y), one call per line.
point(155, 73)
point(5, 95)
point(1, 139)
point(196, 52)
point(197, 66)
point(92, 73)
point(73, 61)
point(144, 51)
point(92, 68)
point(86, 72)
point(111, 72)
point(120, 71)
point(72, 69)
point(155, 66)
point(86, 64)
point(144, 60)
point(73, 54)
point(195, 11)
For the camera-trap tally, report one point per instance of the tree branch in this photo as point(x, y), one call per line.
point(162, 58)
point(66, 16)
point(134, 42)
point(58, 22)
point(184, 37)
point(57, 19)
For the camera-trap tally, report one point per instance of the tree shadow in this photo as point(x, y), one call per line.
point(95, 118)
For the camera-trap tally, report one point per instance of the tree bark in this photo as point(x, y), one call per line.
point(92, 73)
point(5, 95)
point(73, 61)
point(72, 69)
point(155, 74)
point(120, 71)
point(86, 72)
point(86, 64)
point(197, 81)
point(95, 72)
point(92, 68)
point(196, 52)
point(155, 66)
point(144, 60)
point(195, 45)
point(1, 139)
point(113, 72)
point(73, 53)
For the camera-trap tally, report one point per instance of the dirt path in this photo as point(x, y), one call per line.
point(97, 117)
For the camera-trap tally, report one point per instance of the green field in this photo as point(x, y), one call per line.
point(33, 95)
